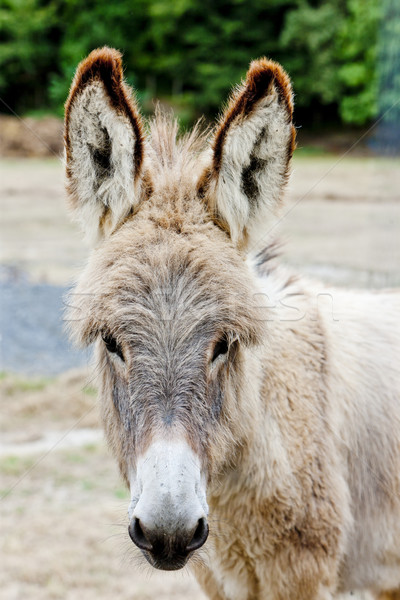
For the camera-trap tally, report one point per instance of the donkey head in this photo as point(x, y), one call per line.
point(168, 295)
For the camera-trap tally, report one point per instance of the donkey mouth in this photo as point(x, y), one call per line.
point(168, 563)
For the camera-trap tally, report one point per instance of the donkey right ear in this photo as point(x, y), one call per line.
point(251, 152)
point(103, 144)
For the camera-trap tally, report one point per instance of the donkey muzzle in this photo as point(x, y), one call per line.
point(168, 511)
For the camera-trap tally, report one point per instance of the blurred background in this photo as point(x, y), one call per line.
point(63, 506)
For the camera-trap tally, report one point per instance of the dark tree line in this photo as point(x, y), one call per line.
point(188, 53)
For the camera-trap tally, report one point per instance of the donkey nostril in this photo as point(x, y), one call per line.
point(160, 544)
point(138, 536)
point(199, 536)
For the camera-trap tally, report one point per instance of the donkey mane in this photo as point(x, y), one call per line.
point(175, 154)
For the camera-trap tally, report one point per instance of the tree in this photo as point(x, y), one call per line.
point(356, 51)
point(188, 53)
point(28, 43)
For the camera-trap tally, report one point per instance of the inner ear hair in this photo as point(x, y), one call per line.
point(105, 65)
point(251, 151)
point(104, 145)
point(262, 78)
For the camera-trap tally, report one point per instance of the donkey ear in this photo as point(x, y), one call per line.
point(252, 148)
point(103, 144)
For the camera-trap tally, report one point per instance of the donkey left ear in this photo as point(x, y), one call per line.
point(103, 143)
point(251, 152)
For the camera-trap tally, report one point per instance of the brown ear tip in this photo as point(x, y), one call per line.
point(100, 61)
point(262, 71)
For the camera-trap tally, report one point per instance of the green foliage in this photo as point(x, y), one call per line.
point(308, 37)
point(357, 54)
point(212, 50)
point(27, 50)
point(188, 53)
point(121, 24)
point(332, 55)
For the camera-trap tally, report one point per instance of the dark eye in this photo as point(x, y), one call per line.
point(112, 346)
point(220, 348)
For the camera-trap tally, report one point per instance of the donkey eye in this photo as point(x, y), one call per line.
point(220, 348)
point(112, 346)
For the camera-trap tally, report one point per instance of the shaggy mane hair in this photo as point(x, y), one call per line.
point(173, 153)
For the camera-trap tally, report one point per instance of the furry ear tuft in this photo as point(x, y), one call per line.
point(252, 148)
point(103, 144)
point(263, 74)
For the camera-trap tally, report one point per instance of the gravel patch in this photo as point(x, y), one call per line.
point(33, 341)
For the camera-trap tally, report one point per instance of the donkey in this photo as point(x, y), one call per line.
point(240, 410)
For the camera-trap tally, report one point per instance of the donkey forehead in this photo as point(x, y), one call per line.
point(166, 283)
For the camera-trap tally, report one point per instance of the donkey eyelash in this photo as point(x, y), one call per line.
point(112, 346)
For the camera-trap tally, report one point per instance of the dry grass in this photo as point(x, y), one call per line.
point(63, 513)
point(30, 405)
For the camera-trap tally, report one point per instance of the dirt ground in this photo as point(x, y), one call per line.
point(30, 137)
point(63, 506)
point(340, 220)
